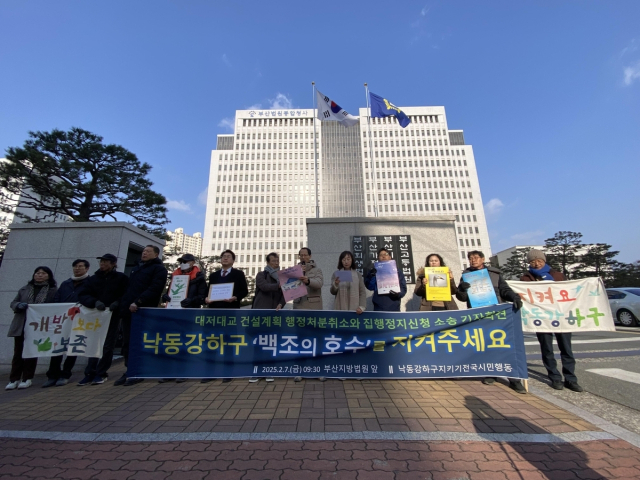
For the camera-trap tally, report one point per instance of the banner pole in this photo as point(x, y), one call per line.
point(373, 171)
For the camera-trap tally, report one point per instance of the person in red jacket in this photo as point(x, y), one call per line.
point(539, 271)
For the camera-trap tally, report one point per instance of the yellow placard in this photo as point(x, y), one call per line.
point(438, 286)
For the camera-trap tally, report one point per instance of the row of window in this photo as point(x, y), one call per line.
point(407, 153)
point(400, 143)
point(414, 119)
point(437, 207)
point(264, 210)
point(277, 122)
point(276, 146)
point(405, 133)
point(255, 221)
point(258, 233)
point(400, 196)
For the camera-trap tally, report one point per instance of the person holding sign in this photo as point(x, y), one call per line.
point(390, 300)
point(196, 291)
point(499, 287)
point(436, 278)
point(539, 271)
point(228, 286)
point(41, 288)
point(348, 286)
point(313, 280)
point(104, 289)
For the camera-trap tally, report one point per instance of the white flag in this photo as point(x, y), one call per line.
point(328, 110)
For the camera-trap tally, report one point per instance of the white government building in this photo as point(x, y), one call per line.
point(262, 183)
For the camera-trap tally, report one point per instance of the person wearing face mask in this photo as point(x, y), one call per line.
point(103, 290)
point(503, 293)
point(41, 288)
point(57, 375)
point(389, 302)
point(196, 293)
point(433, 260)
point(147, 281)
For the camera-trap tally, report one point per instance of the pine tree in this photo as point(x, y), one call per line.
point(516, 265)
point(561, 251)
point(598, 261)
point(75, 174)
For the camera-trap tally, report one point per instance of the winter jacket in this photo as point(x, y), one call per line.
point(240, 287)
point(106, 287)
point(355, 292)
point(502, 289)
point(68, 292)
point(268, 292)
point(16, 329)
point(421, 291)
point(313, 299)
point(197, 289)
point(146, 283)
point(530, 277)
point(384, 303)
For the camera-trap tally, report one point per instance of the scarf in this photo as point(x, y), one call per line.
point(42, 294)
point(543, 272)
point(273, 272)
point(192, 274)
point(81, 277)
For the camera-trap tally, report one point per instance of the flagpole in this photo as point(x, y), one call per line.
point(373, 170)
point(315, 148)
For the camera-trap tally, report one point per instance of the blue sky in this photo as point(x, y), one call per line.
point(548, 93)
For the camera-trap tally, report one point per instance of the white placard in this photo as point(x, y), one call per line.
point(178, 290)
point(559, 307)
point(220, 291)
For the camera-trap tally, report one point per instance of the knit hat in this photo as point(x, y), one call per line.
point(536, 255)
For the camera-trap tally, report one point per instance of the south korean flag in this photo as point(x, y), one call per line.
point(328, 110)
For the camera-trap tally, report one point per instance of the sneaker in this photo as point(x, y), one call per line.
point(269, 379)
point(133, 381)
point(85, 381)
point(297, 379)
point(322, 379)
point(121, 380)
point(11, 386)
point(488, 380)
point(557, 385)
point(517, 386)
point(62, 382)
point(570, 385)
point(226, 380)
point(51, 382)
point(25, 384)
point(98, 380)
point(253, 380)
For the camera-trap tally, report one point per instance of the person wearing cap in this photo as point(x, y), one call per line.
point(540, 271)
point(59, 375)
point(503, 293)
point(196, 292)
point(228, 274)
point(103, 290)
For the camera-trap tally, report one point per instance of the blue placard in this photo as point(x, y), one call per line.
point(481, 293)
point(200, 343)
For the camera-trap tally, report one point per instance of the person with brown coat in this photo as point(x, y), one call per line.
point(540, 271)
point(433, 260)
point(41, 288)
point(313, 279)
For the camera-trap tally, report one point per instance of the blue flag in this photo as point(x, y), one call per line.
point(381, 107)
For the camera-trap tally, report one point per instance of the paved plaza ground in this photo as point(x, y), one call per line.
point(374, 429)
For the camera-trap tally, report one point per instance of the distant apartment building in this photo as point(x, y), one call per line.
point(180, 243)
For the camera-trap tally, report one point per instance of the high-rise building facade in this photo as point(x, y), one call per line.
point(180, 243)
point(262, 179)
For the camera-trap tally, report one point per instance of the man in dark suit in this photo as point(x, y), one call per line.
point(228, 274)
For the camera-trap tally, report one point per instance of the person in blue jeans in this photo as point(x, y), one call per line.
point(388, 302)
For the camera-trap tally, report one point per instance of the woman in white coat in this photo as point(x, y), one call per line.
point(349, 295)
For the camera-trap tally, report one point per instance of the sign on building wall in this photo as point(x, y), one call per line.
point(365, 248)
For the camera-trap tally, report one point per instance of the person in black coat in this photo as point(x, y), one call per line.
point(104, 289)
point(68, 292)
point(228, 274)
point(147, 281)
